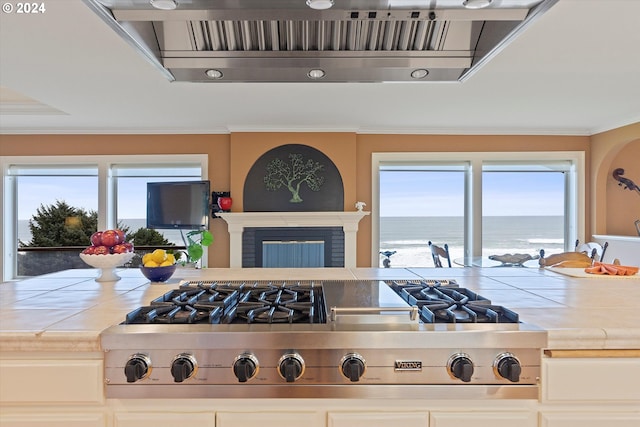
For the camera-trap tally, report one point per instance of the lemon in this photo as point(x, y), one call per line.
point(170, 259)
point(151, 263)
point(166, 263)
point(158, 256)
point(146, 257)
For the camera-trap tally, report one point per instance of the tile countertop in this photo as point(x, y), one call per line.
point(66, 311)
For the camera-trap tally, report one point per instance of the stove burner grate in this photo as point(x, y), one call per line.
point(448, 303)
point(280, 304)
point(234, 303)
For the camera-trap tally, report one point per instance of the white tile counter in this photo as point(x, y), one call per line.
point(66, 311)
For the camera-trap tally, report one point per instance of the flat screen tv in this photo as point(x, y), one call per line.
point(178, 205)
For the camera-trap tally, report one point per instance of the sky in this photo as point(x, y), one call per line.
point(424, 193)
point(401, 194)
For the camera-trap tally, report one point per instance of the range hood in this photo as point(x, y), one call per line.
point(219, 41)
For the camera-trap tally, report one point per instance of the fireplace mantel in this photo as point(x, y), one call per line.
point(237, 221)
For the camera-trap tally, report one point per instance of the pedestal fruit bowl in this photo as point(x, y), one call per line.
point(109, 249)
point(107, 263)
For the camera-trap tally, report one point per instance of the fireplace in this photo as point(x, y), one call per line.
point(293, 247)
point(295, 227)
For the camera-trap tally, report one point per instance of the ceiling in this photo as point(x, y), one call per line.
point(575, 70)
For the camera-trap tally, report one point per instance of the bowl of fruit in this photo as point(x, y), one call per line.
point(158, 266)
point(109, 249)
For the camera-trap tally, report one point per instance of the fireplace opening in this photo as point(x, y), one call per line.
point(294, 254)
point(293, 247)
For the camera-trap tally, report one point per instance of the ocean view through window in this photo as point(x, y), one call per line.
point(484, 204)
point(106, 188)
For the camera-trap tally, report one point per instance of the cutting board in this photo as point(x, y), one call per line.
point(579, 272)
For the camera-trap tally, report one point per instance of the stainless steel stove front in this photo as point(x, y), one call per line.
point(323, 361)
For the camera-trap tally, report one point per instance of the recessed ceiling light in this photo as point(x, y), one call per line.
point(214, 74)
point(476, 4)
point(320, 4)
point(164, 4)
point(316, 74)
point(419, 73)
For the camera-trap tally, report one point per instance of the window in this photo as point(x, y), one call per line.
point(114, 187)
point(524, 208)
point(38, 186)
point(419, 204)
point(490, 203)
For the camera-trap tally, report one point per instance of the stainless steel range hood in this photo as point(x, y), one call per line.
point(286, 41)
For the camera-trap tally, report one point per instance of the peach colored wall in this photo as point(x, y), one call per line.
point(231, 157)
point(612, 211)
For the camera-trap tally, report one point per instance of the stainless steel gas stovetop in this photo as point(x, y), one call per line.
point(358, 339)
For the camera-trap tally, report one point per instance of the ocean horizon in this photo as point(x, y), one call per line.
point(409, 236)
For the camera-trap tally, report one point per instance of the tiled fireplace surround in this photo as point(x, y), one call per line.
point(238, 221)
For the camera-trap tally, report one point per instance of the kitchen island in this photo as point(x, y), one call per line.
point(51, 363)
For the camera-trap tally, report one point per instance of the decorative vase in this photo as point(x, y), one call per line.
point(224, 203)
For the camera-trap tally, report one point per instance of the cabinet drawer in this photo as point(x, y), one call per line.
point(53, 420)
point(613, 379)
point(484, 419)
point(164, 419)
point(68, 381)
point(582, 419)
point(381, 419)
point(270, 419)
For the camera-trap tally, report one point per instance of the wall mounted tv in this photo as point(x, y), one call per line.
point(178, 205)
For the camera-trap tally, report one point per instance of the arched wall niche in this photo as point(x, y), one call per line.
point(611, 150)
point(293, 178)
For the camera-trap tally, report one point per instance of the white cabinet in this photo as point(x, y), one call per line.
point(164, 419)
point(590, 392)
point(484, 419)
point(585, 419)
point(51, 380)
point(43, 419)
point(591, 379)
point(277, 418)
point(382, 419)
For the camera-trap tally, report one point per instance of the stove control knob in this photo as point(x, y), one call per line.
point(184, 366)
point(507, 366)
point(245, 367)
point(460, 366)
point(352, 366)
point(137, 367)
point(291, 367)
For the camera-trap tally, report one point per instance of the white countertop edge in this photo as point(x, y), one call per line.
point(622, 338)
point(68, 341)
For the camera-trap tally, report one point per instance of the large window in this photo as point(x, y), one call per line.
point(478, 203)
point(38, 187)
point(419, 204)
point(111, 190)
point(524, 207)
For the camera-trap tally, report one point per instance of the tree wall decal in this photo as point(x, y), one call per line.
point(293, 174)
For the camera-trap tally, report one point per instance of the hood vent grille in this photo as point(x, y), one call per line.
point(316, 35)
point(249, 42)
